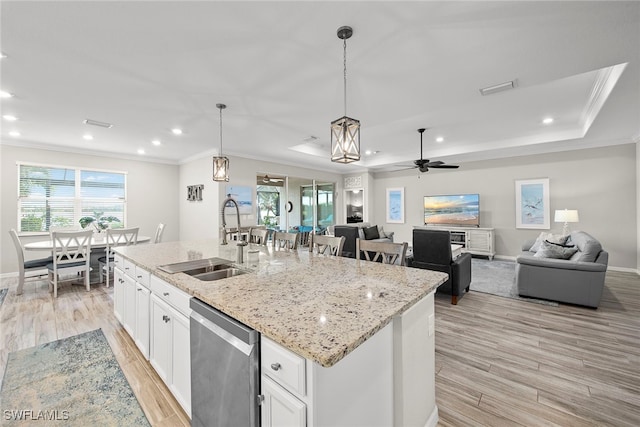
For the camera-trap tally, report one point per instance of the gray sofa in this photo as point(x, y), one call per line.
point(543, 273)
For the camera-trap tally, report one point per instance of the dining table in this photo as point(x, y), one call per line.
point(98, 246)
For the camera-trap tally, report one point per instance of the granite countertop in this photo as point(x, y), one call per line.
point(318, 306)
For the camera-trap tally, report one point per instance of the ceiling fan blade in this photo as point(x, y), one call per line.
point(443, 166)
point(435, 163)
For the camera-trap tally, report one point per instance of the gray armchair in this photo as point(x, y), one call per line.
point(432, 251)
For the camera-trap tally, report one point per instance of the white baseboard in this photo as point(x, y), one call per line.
point(433, 418)
point(8, 275)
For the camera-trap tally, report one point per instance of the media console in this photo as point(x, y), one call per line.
point(475, 240)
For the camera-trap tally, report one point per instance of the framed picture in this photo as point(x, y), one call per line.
point(532, 204)
point(395, 205)
point(243, 197)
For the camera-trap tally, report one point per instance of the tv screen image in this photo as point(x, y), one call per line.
point(453, 209)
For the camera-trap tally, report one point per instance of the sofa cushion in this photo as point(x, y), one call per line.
point(371, 233)
point(587, 245)
point(553, 250)
point(553, 238)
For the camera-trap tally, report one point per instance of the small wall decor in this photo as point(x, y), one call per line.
point(532, 203)
point(243, 197)
point(353, 182)
point(395, 205)
point(194, 193)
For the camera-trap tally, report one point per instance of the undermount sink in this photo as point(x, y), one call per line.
point(207, 269)
point(223, 273)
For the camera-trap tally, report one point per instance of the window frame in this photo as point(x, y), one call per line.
point(77, 199)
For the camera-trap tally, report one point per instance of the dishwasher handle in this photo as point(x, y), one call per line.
point(225, 335)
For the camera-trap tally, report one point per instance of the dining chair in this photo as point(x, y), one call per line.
point(159, 231)
point(71, 254)
point(258, 236)
point(385, 252)
point(27, 269)
point(116, 237)
point(284, 240)
point(327, 245)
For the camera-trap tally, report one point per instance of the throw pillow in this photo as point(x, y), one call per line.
point(371, 233)
point(381, 232)
point(550, 250)
point(554, 238)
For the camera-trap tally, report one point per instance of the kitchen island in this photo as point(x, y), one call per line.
point(339, 314)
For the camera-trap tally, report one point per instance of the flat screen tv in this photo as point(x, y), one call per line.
point(452, 209)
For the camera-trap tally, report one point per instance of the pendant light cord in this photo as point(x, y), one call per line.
point(345, 75)
point(220, 132)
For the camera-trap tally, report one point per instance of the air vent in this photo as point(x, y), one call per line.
point(498, 88)
point(97, 123)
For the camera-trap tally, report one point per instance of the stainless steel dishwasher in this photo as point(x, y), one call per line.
point(225, 370)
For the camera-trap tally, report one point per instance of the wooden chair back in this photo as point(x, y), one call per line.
point(27, 269)
point(385, 252)
point(327, 245)
point(158, 237)
point(258, 236)
point(284, 240)
point(71, 253)
point(117, 237)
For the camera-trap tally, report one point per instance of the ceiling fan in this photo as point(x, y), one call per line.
point(266, 179)
point(423, 165)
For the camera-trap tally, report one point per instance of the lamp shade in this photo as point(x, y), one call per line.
point(566, 215)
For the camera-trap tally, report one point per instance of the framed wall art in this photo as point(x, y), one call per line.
point(532, 203)
point(395, 205)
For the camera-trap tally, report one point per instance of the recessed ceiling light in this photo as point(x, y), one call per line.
point(156, 142)
point(14, 133)
point(2, 55)
point(9, 118)
point(547, 120)
point(176, 131)
point(368, 152)
point(88, 137)
point(439, 139)
point(4, 94)
point(140, 151)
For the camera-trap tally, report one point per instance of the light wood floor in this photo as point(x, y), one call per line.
point(499, 362)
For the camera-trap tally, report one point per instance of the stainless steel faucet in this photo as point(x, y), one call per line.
point(241, 243)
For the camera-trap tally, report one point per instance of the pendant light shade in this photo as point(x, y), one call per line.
point(345, 131)
point(220, 163)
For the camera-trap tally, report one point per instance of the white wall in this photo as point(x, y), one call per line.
point(600, 183)
point(242, 172)
point(151, 192)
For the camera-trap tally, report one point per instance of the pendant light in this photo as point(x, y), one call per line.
point(220, 163)
point(345, 131)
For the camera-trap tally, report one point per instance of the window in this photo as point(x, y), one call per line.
point(59, 196)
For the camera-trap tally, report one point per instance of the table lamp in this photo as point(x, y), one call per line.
point(566, 216)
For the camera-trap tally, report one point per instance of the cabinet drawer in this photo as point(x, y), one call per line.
point(142, 276)
point(129, 268)
point(284, 366)
point(118, 261)
point(172, 295)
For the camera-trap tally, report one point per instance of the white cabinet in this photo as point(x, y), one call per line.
point(143, 296)
point(281, 408)
point(170, 353)
point(118, 294)
point(129, 315)
point(476, 241)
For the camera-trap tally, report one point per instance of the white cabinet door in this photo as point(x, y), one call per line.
point(280, 408)
point(161, 339)
point(142, 319)
point(181, 366)
point(118, 294)
point(129, 320)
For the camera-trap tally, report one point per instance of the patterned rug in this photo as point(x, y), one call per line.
point(3, 294)
point(498, 278)
point(75, 381)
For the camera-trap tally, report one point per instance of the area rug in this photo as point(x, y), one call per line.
point(3, 294)
point(498, 277)
point(75, 381)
